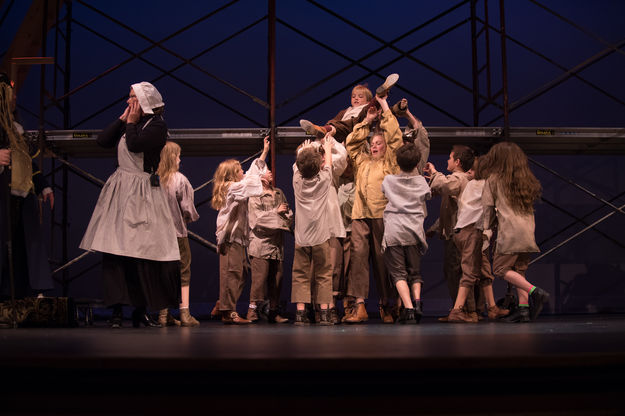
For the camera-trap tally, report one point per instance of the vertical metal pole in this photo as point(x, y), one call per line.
point(487, 38)
point(271, 81)
point(504, 71)
point(66, 125)
point(64, 226)
point(68, 64)
point(475, 73)
point(558, 294)
point(42, 86)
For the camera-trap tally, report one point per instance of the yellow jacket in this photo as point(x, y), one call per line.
point(369, 201)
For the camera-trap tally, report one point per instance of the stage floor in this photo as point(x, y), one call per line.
point(556, 365)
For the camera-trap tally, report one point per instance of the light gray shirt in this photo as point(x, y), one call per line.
point(405, 210)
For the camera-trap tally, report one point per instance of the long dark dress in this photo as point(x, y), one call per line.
point(131, 223)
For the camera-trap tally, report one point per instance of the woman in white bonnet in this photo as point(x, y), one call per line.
point(131, 224)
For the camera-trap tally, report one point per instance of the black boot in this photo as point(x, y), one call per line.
point(116, 317)
point(410, 317)
point(141, 317)
point(418, 310)
point(520, 314)
point(301, 318)
point(538, 298)
point(324, 317)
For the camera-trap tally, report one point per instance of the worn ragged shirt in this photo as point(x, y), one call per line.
point(312, 214)
point(449, 187)
point(470, 207)
point(515, 232)
point(232, 221)
point(267, 225)
point(405, 211)
point(179, 193)
point(369, 202)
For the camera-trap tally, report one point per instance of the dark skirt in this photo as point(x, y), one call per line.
point(140, 282)
point(31, 270)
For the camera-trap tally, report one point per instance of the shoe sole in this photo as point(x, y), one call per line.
point(307, 126)
point(388, 83)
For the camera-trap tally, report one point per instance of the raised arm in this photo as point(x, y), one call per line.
point(392, 135)
point(266, 148)
point(356, 142)
point(110, 135)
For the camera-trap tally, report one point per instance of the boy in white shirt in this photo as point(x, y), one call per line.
point(313, 189)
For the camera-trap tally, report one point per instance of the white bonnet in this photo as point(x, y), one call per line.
point(148, 96)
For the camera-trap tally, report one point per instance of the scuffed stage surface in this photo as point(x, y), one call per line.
point(568, 365)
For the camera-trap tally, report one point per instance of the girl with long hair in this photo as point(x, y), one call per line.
point(231, 190)
point(179, 193)
point(508, 200)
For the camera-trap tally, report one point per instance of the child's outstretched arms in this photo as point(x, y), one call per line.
point(266, 148)
point(327, 143)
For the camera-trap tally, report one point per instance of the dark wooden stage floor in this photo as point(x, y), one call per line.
point(563, 365)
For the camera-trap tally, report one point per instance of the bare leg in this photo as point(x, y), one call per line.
point(463, 293)
point(522, 285)
point(404, 293)
point(488, 295)
point(416, 290)
point(184, 297)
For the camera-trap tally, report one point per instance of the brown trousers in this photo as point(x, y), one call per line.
point(403, 263)
point(474, 263)
point(453, 273)
point(185, 261)
point(266, 281)
point(504, 262)
point(231, 280)
point(312, 272)
point(367, 236)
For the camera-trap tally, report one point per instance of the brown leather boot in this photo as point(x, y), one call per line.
point(275, 318)
point(460, 316)
point(358, 315)
point(186, 319)
point(252, 315)
point(348, 308)
point(233, 318)
point(494, 312)
point(165, 318)
point(386, 315)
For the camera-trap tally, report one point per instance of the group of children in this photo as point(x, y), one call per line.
point(360, 189)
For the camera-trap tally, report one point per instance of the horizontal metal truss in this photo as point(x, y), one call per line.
point(245, 141)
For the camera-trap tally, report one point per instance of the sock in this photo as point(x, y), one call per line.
point(524, 305)
point(183, 307)
point(532, 289)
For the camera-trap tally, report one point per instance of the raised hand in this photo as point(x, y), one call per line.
point(266, 148)
point(124, 115)
point(372, 114)
point(135, 112)
point(283, 208)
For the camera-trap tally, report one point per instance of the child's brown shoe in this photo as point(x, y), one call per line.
point(312, 129)
point(391, 80)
